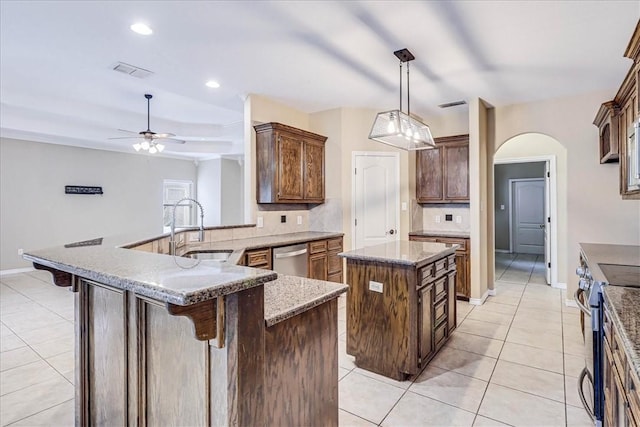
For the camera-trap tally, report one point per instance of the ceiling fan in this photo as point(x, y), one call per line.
point(149, 140)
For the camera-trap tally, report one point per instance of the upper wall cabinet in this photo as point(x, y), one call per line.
point(616, 120)
point(442, 173)
point(290, 164)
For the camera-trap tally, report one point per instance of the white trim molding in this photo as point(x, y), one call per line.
point(559, 286)
point(16, 271)
point(503, 251)
point(492, 292)
point(480, 301)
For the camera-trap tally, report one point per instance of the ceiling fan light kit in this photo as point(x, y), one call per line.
point(400, 129)
point(149, 138)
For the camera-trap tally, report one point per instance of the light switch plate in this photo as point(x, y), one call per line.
point(437, 218)
point(375, 286)
point(404, 206)
point(259, 222)
point(458, 219)
point(299, 219)
point(501, 207)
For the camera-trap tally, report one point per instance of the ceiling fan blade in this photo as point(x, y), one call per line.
point(127, 131)
point(162, 135)
point(126, 137)
point(173, 140)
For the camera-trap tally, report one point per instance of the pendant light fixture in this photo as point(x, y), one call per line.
point(400, 129)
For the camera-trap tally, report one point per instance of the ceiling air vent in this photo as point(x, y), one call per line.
point(132, 70)
point(452, 104)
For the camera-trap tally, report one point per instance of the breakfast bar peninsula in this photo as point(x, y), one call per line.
point(168, 340)
point(401, 305)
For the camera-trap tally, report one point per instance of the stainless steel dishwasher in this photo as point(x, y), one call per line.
point(291, 260)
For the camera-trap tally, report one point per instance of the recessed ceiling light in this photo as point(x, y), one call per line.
point(141, 28)
point(213, 84)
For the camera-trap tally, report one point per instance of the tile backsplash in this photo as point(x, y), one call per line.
point(434, 218)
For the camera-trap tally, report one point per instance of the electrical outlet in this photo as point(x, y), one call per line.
point(20, 251)
point(259, 222)
point(448, 217)
point(404, 206)
point(299, 219)
point(283, 218)
point(375, 286)
point(501, 207)
point(436, 218)
point(458, 219)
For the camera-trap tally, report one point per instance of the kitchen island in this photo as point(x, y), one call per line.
point(164, 340)
point(401, 305)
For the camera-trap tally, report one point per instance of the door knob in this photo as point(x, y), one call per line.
point(541, 225)
point(392, 231)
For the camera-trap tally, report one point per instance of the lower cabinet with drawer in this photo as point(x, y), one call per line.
point(621, 383)
point(324, 262)
point(399, 316)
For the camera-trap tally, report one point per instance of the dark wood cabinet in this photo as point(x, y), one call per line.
point(324, 262)
point(258, 258)
point(290, 164)
point(399, 316)
point(463, 273)
point(442, 173)
point(607, 122)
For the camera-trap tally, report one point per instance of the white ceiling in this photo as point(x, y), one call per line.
point(56, 59)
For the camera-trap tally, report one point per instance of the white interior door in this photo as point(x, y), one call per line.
point(547, 223)
point(376, 198)
point(528, 198)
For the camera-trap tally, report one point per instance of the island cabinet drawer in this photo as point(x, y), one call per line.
point(440, 335)
point(427, 275)
point(441, 266)
point(451, 262)
point(317, 247)
point(260, 258)
point(440, 289)
point(440, 312)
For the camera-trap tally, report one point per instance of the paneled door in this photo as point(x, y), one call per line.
point(376, 198)
point(529, 225)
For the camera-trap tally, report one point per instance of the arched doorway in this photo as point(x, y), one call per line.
point(525, 160)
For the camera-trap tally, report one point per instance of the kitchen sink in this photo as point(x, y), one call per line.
point(220, 256)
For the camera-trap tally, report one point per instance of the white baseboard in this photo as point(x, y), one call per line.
point(503, 251)
point(559, 285)
point(480, 301)
point(16, 271)
point(492, 292)
point(570, 303)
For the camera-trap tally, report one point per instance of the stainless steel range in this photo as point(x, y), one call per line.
point(593, 277)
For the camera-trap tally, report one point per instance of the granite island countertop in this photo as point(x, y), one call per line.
point(166, 278)
point(449, 233)
point(402, 252)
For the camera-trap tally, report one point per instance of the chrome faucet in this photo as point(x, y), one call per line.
point(172, 241)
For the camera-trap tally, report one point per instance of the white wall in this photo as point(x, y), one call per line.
point(231, 191)
point(36, 213)
point(208, 191)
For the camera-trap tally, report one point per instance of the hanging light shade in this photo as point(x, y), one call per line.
point(400, 129)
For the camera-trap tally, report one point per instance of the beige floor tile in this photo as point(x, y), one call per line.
point(449, 387)
point(504, 299)
point(535, 304)
point(463, 308)
point(37, 317)
point(573, 365)
point(34, 399)
point(54, 347)
point(58, 330)
point(63, 363)
point(4, 330)
point(574, 344)
point(544, 326)
point(11, 342)
point(26, 375)
point(571, 389)
point(577, 417)
point(484, 329)
point(538, 314)
point(342, 372)
point(366, 397)
point(520, 409)
point(15, 305)
point(529, 380)
point(465, 363)
point(497, 307)
point(533, 357)
point(481, 421)
point(571, 319)
point(475, 344)
point(416, 410)
point(59, 415)
point(347, 419)
point(491, 317)
point(400, 384)
point(18, 357)
point(535, 339)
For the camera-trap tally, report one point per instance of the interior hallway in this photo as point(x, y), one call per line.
point(512, 361)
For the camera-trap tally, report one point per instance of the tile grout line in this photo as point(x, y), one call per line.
point(36, 413)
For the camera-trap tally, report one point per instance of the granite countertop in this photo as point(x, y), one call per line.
point(624, 306)
point(402, 252)
point(449, 233)
point(288, 296)
point(599, 253)
point(166, 278)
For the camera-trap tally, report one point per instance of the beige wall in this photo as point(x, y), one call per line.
point(595, 212)
point(36, 213)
